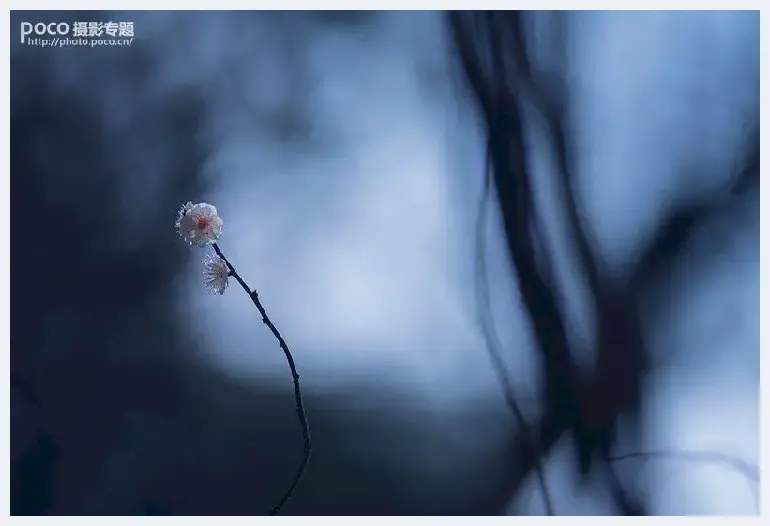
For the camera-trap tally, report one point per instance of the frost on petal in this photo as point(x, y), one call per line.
point(216, 275)
point(199, 224)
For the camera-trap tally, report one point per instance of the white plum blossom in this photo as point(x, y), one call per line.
point(215, 274)
point(198, 224)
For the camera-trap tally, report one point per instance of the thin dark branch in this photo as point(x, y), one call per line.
point(562, 389)
point(493, 345)
point(679, 225)
point(566, 394)
point(616, 384)
point(472, 69)
point(295, 377)
point(590, 408)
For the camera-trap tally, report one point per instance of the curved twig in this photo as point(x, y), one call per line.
point(295, 377)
